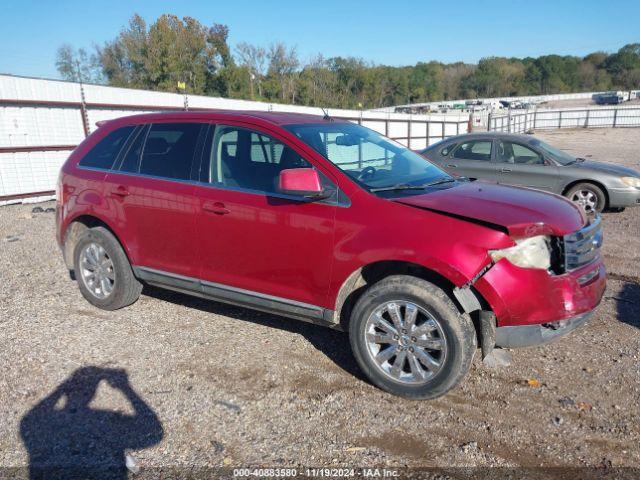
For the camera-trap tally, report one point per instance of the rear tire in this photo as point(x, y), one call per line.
point(103, 271)
point(589, 197)
point(422, 354)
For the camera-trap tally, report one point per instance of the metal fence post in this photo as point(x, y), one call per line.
point(535, 118)
point(586, 120)
point(615, 116)
point(489, 122)
point(509, 120)
point(560, 119)
point(83, 111)
point(428, 125)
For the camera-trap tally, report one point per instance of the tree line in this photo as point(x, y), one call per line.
point(175, 55)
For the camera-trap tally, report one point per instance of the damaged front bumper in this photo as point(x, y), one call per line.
point(517, 336)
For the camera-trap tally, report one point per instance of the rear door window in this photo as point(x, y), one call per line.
point(474, 150)
point(105, 152)
point(131, 159)
point(169, 149)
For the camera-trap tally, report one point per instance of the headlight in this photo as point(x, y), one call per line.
point(533, 252)
point(631, 181)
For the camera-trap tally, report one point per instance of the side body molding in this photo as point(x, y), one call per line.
point(237, 296)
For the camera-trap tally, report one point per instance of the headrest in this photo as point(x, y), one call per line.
point(156, 146)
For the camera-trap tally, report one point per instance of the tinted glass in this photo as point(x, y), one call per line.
point(516, 153)
point(168, 150)
point(247, 159)
point(477, 150)
point(131, 160)
point(105, 152)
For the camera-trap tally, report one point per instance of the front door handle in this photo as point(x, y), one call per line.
point(452, 165)
point(215, 207)
point(120, 191)
point(505, 170)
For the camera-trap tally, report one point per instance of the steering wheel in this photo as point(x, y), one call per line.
point(367, 172)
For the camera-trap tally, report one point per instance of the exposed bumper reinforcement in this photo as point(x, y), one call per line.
point(530, 335)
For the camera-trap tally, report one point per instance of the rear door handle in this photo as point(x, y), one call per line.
point(215, 207)
point(120, 191)
point(452, 165)
point(505, 170)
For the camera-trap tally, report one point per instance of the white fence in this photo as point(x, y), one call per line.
point(519, 121)
point(42, 121)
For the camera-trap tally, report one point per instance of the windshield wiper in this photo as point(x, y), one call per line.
point(440, 181)
point(576, 160)
point(407, 186)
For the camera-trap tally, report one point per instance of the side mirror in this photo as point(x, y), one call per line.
point(301, 182)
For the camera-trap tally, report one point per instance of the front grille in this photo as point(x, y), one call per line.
point(583, 246)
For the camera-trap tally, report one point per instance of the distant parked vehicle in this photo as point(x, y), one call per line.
point(609, 98)
point(527, 161)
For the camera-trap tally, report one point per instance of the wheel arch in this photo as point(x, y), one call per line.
point(362, 278)
point(598, 184)
point(76, 228)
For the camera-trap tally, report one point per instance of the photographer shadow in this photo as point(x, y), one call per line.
point(66, 438)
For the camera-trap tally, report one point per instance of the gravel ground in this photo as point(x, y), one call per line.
point(214, 385)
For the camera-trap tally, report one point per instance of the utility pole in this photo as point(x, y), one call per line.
point(83, 106)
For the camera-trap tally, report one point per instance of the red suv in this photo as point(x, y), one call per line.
point(329, 222)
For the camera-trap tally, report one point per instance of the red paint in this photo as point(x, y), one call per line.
point(304, 250)
point(300, 180)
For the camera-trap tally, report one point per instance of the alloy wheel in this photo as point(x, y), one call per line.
point(586, 199)
point(96, 270)
point(405, 342)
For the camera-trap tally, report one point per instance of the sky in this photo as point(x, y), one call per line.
point(391, 32)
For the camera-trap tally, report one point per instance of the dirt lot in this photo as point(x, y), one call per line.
point(214, 385)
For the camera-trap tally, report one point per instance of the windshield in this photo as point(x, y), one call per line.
point(373, 160)
point(558, 155)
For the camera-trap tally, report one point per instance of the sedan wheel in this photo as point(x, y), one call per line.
point(590, 198)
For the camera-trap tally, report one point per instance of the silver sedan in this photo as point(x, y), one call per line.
point(524, 160)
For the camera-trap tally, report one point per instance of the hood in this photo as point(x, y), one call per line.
point(520, 212)
point(606, 167)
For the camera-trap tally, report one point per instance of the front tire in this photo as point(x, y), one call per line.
point(103, 272)
point(589, 197)
point(410, 339)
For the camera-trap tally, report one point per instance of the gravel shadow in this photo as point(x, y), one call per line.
point(66, 438)
point(334, 344)
point(628, 304)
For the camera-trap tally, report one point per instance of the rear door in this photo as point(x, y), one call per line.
point(251, 237)
point(473, 159)
point(151, 192)
point(519, 164)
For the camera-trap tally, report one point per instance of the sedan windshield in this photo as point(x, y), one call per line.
point(558, 155)
point(375, 161)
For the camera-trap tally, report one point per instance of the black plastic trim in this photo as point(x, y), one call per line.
point(237, 296)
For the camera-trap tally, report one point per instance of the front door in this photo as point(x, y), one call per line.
point(521, 165)
point(250, 236)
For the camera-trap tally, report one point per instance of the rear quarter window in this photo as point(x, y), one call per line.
point(105, 152)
